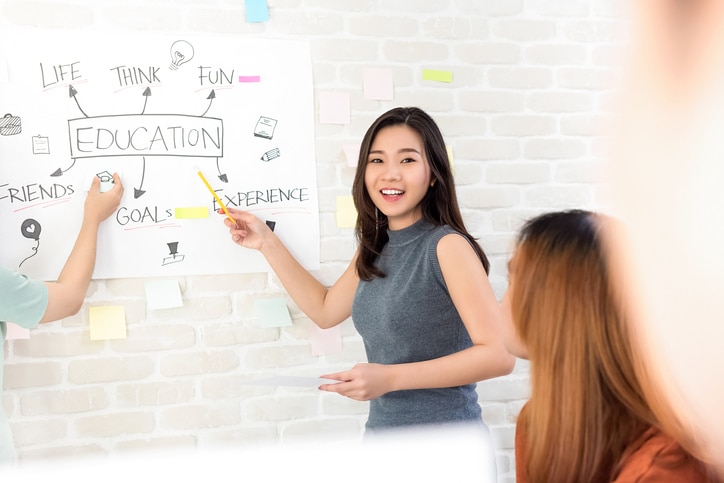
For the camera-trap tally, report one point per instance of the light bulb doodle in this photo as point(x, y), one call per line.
point(31, 229)
point(181, 52)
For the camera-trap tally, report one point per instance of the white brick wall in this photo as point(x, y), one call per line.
point(525, 116)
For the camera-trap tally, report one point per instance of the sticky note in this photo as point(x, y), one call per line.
point(249, 78)
point(334, 107)
point(163, 294)
point(108, 322)
point(437, 75)
point(191, 212)
point(326, 341)
point(351, 153)
point(377, 84)
point(272, 312)
point(451, 158)
point(14, 332)
point(256, 11)
point(346, 213)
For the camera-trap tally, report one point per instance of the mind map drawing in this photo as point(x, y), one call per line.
point(240, 109)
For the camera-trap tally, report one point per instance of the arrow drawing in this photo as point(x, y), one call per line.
point(72, 93)
point(146, 94)
point(138, 192)
point(212, 96)
point(60, 171)
point(222, 176)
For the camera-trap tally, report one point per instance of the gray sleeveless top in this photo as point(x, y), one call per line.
point(408, 316)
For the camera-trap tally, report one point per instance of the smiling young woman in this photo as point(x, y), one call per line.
point(417, 287)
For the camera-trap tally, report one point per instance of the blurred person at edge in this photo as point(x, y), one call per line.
point(666, 174)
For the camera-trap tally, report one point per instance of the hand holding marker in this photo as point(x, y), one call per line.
point(218, 200)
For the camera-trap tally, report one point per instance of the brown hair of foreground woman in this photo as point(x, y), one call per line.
point(592, 415)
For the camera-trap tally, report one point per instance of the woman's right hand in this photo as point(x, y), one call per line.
point(249, 231)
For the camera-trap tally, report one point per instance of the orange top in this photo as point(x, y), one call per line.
point(655, 457)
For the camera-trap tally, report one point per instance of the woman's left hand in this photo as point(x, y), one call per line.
point(362, 383)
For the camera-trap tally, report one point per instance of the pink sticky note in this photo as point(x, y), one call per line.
point(334, 107)
point(326, 341)
point(249, 78)
point(14, 331)
point(351, 152)
point(377, 84)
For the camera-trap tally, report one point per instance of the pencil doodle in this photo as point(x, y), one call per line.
point(271, 154)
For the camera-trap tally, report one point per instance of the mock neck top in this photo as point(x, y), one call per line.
point(408, 316)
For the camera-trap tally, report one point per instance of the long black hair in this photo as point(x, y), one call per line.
point(439, 205)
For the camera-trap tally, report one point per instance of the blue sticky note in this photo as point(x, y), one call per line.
point(256, 11)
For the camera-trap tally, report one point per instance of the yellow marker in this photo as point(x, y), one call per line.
point(218, 200)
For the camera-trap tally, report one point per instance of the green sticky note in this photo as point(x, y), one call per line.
point(163, 294)
point(273, 312)
point(437, 75)
point(192, 212)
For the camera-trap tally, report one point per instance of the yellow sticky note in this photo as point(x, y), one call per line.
point(273, 312)
point(346, 213)
point(437, 75)
point(450, 158)
point(107, 322)
point(191, 212)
